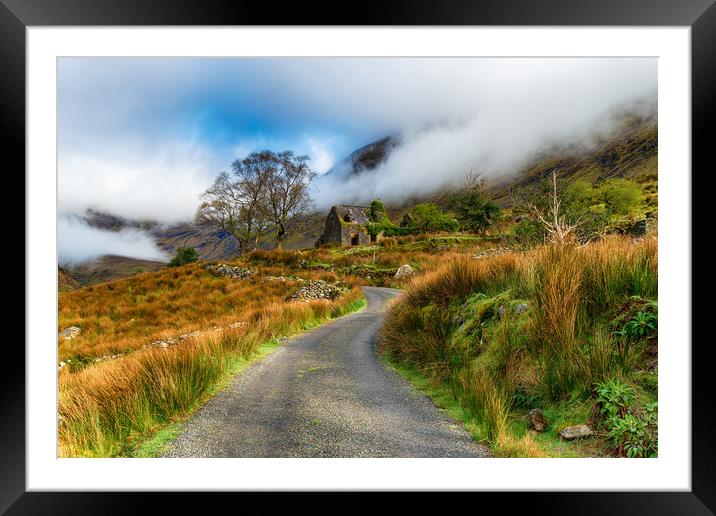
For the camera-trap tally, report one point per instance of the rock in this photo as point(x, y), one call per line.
point(575, 432)
point(70, 333)
point(521, 307)
point(492, 252)
point(536, 420)
point(189, 335)
point(275, 278)
point(318, 289)
point(230, 271)
point(501, 311)
point(405, 271)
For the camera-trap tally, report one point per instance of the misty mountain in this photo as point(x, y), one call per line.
point(629, 149)
point(367, 158)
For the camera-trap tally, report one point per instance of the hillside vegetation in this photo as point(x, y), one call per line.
point(154, 346)
point(565, 329)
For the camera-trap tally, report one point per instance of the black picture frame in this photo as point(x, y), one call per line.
point(700, 15)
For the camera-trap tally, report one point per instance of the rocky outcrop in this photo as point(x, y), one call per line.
point(318, 289)
point(172, 342)
point(492, 252)
point(70, 333)
point(575, 432)
point(521, 307)
point(405, 271)
point(230, 271)
point(536, 420)
point(518, 309)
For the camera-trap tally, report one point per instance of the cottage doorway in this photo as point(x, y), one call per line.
point(354, 238)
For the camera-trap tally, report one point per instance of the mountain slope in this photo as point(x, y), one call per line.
point(365, 159)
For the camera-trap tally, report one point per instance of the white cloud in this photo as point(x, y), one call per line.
point(79, 242)
point(322, 159)
point(514, 109)
point(162, 184)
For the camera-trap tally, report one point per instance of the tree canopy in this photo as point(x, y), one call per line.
point(264, 193)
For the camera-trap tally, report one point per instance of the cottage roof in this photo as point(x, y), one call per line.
point(357, 214)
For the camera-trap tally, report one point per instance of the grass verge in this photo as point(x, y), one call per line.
point(155, 444)
point(568, 330)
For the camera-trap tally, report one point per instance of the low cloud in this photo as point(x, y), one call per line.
point(78, 242)
point(516, 110)
point(321, 157)
point(143, 137)
point(161, 184)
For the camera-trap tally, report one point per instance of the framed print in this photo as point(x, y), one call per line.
point(417, 250)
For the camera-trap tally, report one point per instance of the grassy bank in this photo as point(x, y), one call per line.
point(112, 408)
point(568, 330)
point(124, 315)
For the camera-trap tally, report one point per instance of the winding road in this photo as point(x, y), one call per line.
point(325, 394)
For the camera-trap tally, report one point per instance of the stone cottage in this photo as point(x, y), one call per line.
point(346, 226)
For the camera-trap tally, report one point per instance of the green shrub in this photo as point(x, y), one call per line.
point(529, 232)
point(635, 436)
point(427, 218)
point(631, 435)
point(377, 211)
point(620, 196)
point(473, 210)
point(641, 325)
point(183, 256)
point(388, 229)
point(614, 398)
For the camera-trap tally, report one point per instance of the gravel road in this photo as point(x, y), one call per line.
point(325, 394)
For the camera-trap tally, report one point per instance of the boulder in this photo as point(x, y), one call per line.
point(521, 307)
point(536, 420)
point(575, 432)
point(405, 271)
point(70, 333)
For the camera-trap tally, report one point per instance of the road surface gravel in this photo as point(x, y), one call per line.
point(325, 393)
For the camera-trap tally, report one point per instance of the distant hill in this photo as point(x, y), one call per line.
point(105, 268)
point(65, 280)
point(210, 243)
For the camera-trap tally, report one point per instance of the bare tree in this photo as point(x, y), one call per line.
point(236, 202)
point(554, 222)
point(474, 181)
point(287, 193)
point(254, 175)
point(221, 206)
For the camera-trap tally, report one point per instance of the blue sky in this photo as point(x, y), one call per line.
point(143, 137)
